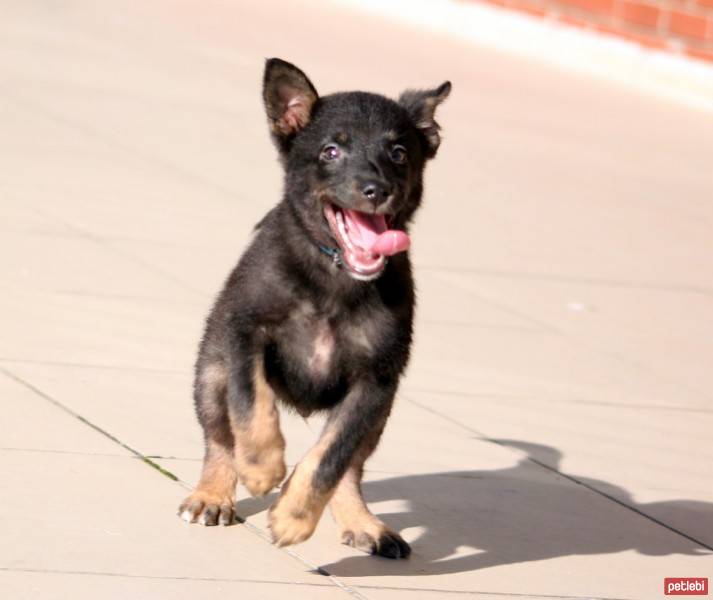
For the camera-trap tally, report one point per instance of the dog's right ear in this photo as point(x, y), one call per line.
point(289, 98)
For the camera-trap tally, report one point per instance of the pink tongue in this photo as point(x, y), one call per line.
point(369, 233)
point(391, 242)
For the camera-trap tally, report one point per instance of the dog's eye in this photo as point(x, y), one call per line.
point(330, 152)
point(398, 154)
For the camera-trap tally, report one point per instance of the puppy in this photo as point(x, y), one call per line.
point(318, 312)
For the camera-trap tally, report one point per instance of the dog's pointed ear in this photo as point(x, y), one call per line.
point(421, 106)
point(289, 98)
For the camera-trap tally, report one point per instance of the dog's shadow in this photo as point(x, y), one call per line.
point(469, 520)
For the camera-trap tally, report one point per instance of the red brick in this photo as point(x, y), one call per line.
point(647, 41)
point(497, 2)
point(569, 20)
point(599, 7)
point(639, 13)
point(642, 40)
point(702, 54)
point(687, 25)
point(531, 10)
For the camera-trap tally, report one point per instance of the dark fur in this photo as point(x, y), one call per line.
point(284, 287)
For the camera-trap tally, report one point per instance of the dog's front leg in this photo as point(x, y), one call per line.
point(304, 496)
point(254, 419)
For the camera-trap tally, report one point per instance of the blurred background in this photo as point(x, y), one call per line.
point(680, 27)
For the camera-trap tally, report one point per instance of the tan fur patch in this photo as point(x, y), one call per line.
point(350, 512)
point(295, 515)
point(213, 499)
point(259, 444)
point(358, 527)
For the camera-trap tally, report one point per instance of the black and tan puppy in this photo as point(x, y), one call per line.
point(318, 312)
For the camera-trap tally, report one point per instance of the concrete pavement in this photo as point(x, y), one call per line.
point(552, 436)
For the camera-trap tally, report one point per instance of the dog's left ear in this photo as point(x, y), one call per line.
point(421, 105)
point(289, 97)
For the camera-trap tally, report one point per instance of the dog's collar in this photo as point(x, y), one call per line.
point(333, 253)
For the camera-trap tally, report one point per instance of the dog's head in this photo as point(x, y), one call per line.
point(354, 163)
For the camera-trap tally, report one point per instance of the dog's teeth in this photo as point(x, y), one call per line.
point(340, 219)
point(341, 226)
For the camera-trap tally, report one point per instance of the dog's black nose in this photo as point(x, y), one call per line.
point(375, 193)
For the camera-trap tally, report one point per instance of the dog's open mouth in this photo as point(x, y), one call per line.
point(364, 239)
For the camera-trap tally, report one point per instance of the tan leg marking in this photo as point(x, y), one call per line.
point(293, 518)
point(259, 444)
point(351, 513)
point(213, 500)
point(358, 527)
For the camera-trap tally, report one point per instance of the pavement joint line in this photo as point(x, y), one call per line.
point(544, 326)
point(147, 265)
point(299, 583)
point(128, 256)
point(666, 407)
point(72, 452)
point(487, 593)
point(134, 298)
point(596, 348)
point(166, 473)
point(555, 278)
point(519, 329)
point(115, 144)
point(570, 478)
point(162, 577)
point(76, 415)
point(109, 91)
point(171, 300)
point(55, 363)
point(82, 233)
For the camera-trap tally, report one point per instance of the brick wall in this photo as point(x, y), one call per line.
point(678, 26)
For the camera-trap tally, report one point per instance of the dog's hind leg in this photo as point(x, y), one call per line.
point(213, 500)
point(358, 527)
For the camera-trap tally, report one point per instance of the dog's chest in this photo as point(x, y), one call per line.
point(322, 346)
point(321, 349)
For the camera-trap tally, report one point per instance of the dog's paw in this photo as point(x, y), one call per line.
point(206, 509)
point(259, 478)
point(292, 522)
point(385, 542)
